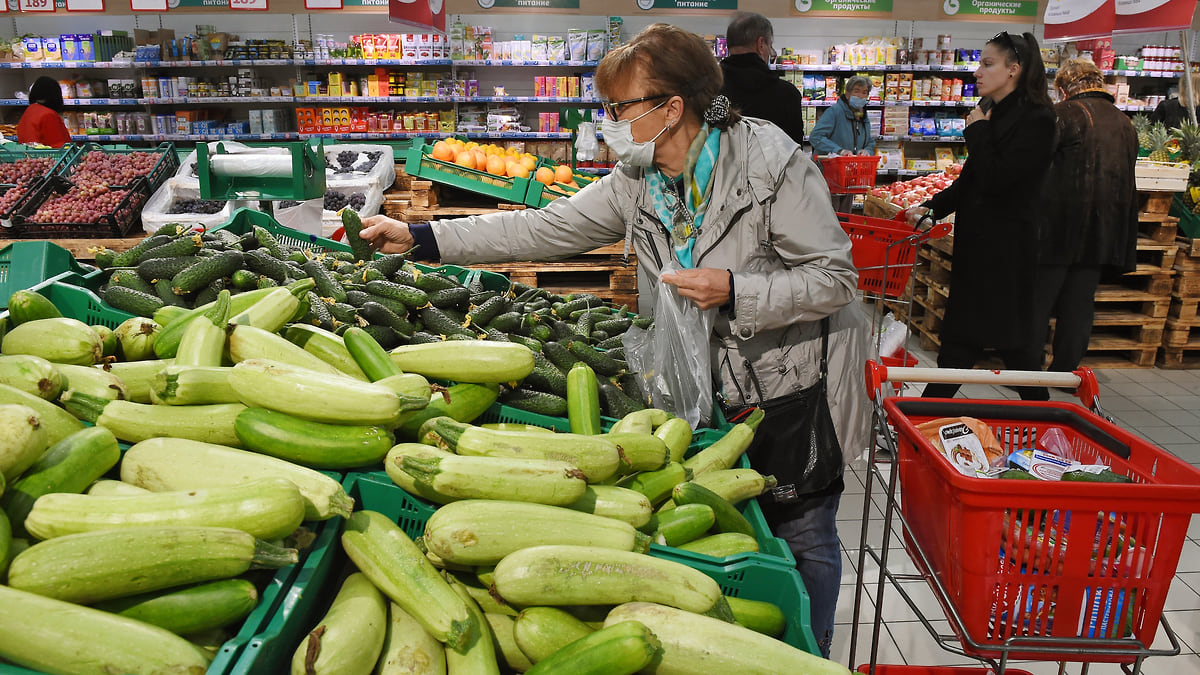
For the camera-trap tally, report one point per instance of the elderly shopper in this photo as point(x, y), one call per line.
point(746, 214)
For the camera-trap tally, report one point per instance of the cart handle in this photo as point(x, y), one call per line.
point(1082, 380)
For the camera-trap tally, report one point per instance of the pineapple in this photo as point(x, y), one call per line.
point(1141, 124)
point(1158, 138)
point(1188, 136)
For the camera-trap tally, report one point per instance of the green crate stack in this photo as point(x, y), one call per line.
point(25, 264)
point(271, 650)
point(75, 297)
point(418, 163)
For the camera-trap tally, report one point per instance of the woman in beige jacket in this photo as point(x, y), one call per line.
point(747, 215)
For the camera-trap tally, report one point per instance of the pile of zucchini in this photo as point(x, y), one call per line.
point(389, 297)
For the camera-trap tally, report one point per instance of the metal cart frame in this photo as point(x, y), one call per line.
point(1084, 382)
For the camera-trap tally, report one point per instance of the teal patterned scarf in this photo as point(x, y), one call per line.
point(683, 218)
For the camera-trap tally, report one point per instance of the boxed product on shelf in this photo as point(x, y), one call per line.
point(892, 156)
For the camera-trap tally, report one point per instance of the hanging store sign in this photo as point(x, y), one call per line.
point(989, 10)
point(1149, 16)
point(1079, 19)
point(723, 5)
point(859, 9)
point(537, 4)
point(421, 14)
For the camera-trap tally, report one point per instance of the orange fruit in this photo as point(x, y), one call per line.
point(465, 159)
point(442, 151)
point(495, 165)
point(563, 174)
point(545, 175)
point(517, 170)
point(481, 159)
point(572, 184)
point(529, 162)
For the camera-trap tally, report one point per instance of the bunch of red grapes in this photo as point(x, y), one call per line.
point(25, 170)
point(101, 168)
point(80, 204)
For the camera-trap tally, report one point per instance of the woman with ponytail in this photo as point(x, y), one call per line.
point(996, 199)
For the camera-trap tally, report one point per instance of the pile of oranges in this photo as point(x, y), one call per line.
point(499, 161)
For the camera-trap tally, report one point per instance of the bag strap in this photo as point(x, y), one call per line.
point(824, 347)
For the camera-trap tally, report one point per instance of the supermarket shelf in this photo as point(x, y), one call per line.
point(211, 63)
point(358, 100)
point(965, 103)
point(958, 68)
point(292, 135)
point(905, 173)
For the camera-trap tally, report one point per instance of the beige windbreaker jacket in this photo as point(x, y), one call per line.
point(769, 220)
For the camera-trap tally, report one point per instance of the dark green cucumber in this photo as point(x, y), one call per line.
point(484, 296)
point(728, 518)
point(130, 257)
point(153, 269)
point(613, 326)
point(172, 229)
point(432, 281)
point(533, 345)
point(104, 257)
point(1105, 476)
point(28, 305)
point(450, 297)
point(411, 296)
point(343, 312)
point(614, 401)
point(541, 333)
point(437, 321)
point(602, 310)
point(386, 337)
point(374, 312)
point(424, 337)
point(259, 260)
point(547, 377)
point(129, 278)
point(536, 402)
point(559, 355)
point(206, 271)
point(210, 292)
point(269, 242)
point(482, 315)
point(643, 322)
point(244, 280)
point(318, 312)
point(297, 257)
point(631, 385)
point(326, 286)
point(600, 362)
point(185, 246)
point(133, 301)
point(163, 289)
point(359, 298)
point(1017, 474)
point(353, 225)
point(509, 322)
point(388, 264)
point(495, 336)
point(265, 281)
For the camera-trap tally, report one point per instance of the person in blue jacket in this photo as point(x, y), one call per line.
point(844, 130)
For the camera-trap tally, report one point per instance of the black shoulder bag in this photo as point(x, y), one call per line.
point(796, 441)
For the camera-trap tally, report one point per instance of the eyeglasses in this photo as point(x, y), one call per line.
point(613, 109)
point(1005, 38)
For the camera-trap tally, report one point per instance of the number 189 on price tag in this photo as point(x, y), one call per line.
point(37, 5)
point(260, 5)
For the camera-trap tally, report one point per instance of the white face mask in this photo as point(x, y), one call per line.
point(619, 138)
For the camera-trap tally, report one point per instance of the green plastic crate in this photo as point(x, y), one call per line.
point(284, 586)
point(25, 264)
point(271, 649)
point(75, 297)
point(540, 196)
point(750, 578)
point(419, 163)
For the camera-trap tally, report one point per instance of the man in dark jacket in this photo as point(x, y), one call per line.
point(1089, 215)
point(1172, 112)
point(750, 84)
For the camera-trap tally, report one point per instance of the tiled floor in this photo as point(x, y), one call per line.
point(1160, 405)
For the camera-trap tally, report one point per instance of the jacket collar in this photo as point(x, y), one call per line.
point(1095, 93)
point(749, 61)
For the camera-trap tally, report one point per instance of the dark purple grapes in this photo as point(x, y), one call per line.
point(207, 206)
point(334, 201)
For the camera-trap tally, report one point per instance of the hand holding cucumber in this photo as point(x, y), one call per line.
point(386, 235)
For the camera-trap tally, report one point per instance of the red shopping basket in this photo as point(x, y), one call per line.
point(850, 174)
point(1066, 560)
point(884, 251)
point(881, 669)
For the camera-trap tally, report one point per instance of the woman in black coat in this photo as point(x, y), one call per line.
point(1089, 215)
point(1010, 137)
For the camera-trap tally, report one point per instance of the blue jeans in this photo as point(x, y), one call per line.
point(813, 539)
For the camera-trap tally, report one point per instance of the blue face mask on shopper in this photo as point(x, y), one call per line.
point(857, 102)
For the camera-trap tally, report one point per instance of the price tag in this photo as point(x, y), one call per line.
point(148, 5)
point(257, 5)
point(322, 4)
point(37, 5)
point(85, 5)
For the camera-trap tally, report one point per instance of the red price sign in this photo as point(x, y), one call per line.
point(37, 5)
point(260, 5)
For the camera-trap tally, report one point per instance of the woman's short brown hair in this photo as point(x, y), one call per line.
point(673, 60)
point(1079, 75)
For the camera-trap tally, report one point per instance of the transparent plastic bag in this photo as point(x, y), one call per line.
point(672, 356)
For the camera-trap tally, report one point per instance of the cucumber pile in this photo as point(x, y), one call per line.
point(390, 298)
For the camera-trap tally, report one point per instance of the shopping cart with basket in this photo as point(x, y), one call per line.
point(849, 174)
point(885, 254)
point(1030, 569)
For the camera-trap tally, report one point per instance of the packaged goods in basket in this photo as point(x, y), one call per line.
point(967, 443)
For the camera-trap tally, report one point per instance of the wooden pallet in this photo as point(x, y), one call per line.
point(1154, 257)
point(602, 273)
point(1180, 332)
point(1184, 308)
point(81, 248)
point(936, 264)
point(1184, 357)
point(1158, 227)
point(1154, 202)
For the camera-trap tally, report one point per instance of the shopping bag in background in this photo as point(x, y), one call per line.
point(672, 356)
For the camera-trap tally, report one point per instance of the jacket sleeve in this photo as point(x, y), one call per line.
point(818, 276)
point(945, 202)
point(588, 220)
point(54, 132)
point(870, 144)
point(791, 102)
point(822, 134)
